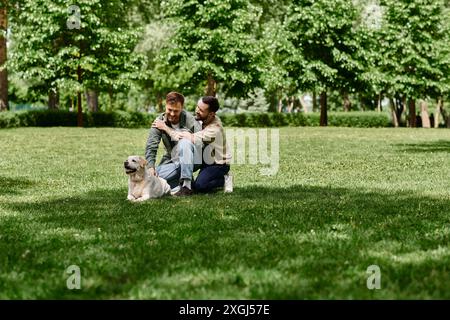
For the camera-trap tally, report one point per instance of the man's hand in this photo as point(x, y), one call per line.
point(186, 135)
point(152, 172)
point(159, 124)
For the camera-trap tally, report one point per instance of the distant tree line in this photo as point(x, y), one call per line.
point(112, 53)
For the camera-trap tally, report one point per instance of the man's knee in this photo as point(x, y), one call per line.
point(168, 171)
point(190, 153)
point(185, 144)
point(201, 185)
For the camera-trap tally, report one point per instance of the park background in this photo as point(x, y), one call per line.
point(342, 81)
point(258, 56)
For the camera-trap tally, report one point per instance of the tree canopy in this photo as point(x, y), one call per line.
point(394, 48)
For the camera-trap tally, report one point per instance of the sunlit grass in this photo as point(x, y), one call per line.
point(343, 199)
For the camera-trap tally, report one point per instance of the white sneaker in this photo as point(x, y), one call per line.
point(228, 185)
point(175, 190)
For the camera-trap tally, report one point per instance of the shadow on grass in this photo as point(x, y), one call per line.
point(9, 186)
point(434, 146)
point(257, 243)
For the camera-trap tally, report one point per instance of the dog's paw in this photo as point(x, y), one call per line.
point(130, 198)
point(141, 199)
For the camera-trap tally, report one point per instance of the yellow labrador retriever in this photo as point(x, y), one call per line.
point(142, 185)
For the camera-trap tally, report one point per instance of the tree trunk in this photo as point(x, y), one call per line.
point(79, 107)
point(395, 120)
point(441, 111)
point(361, 103)
point(399, 108)
point(4, 105)
point(402, 106)
point(438, 113)
point(412, 113)
point(323, 109)
point(379, 102)
point(347, 102)
point(53, 99)
point(92, 100)
point(111, 98)
point(447, 119)
point(280, 105)
point(314, 96)
point(424, 114)
point(445, 115)
point(303, 104)
point(211, 88)
point(160, 103)
point(291, 104)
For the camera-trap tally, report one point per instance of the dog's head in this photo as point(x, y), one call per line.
point(134, 164)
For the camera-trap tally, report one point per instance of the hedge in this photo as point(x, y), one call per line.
point(367, 119)
point(122, 119)
point(64, 118)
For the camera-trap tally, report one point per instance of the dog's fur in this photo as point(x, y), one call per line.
point(141, 184)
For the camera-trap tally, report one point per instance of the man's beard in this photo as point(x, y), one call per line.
point(170, 121)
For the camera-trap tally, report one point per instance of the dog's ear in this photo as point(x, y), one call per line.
point(142, 162)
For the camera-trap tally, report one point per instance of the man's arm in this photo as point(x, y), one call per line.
point(151, 149)
point(161, 126)
point(209, 134)
point(192, 126)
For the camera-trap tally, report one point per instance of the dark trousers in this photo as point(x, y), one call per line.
point(211, 177)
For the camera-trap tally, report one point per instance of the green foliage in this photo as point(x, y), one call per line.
point(280, 57)
point(123, 119)
point(359, 119)
point(62, 118)
point(411, 50)
point(257, 101)
point(254, 102)
point(324, 34)
point(48, 53)
point(337, 119)
point(213, 38)
point(9, 120)
point(140, 50)
point(157, 77)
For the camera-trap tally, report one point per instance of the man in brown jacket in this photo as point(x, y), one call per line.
point(216, 156)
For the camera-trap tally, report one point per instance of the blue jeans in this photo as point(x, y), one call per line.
point(181, 167)
point(211, 177)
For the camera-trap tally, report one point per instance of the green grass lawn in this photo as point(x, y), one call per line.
point(343, 199)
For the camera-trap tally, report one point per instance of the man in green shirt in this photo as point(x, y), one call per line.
point(172, 166)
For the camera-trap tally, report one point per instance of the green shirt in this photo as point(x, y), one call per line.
point(187, 122)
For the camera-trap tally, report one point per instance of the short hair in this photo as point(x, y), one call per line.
point(212, 102)
point(174, 97)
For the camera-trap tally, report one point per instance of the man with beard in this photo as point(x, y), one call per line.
point(172, 167)
point(216, 157)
